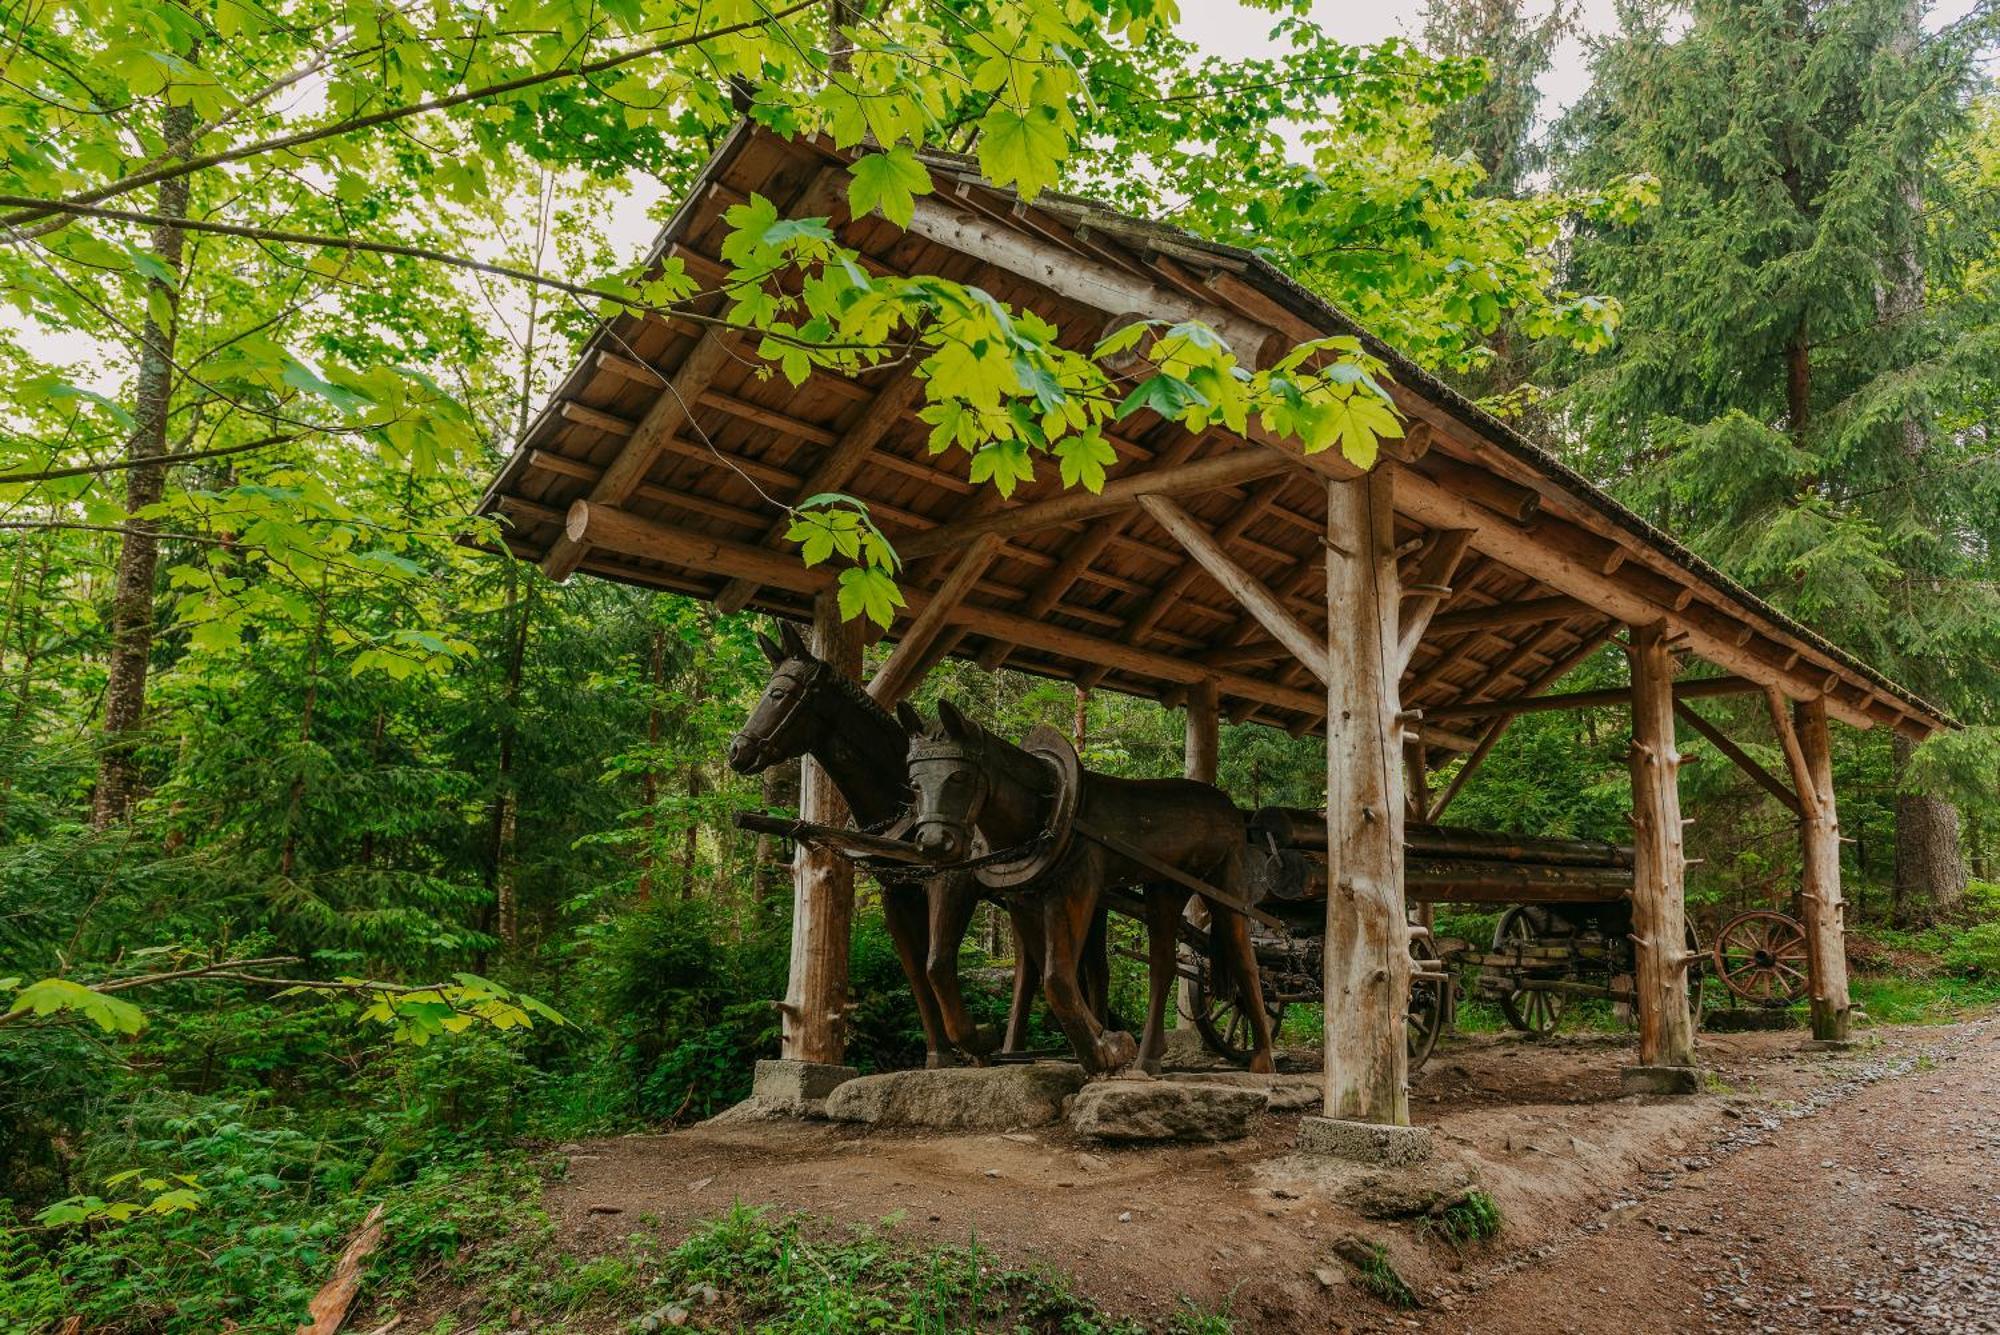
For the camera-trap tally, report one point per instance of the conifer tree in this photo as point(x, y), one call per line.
point(1807, 342)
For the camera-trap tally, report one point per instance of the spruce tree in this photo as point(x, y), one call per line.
point(1800, 384)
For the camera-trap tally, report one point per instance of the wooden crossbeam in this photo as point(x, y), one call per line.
point(1526, 612)
point(1427, 589)
point(894, 679)
point(1222, 470)
point(1766, 780)
point(1245, 588)
point(1795, 755)
point(1701, 689)
point(841, 462)
point(662, 422)
point(614, 530)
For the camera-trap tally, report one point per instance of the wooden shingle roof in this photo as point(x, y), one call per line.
point(1106, 598)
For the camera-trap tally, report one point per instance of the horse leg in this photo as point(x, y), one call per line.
point(1243, 962)
point(1066, 914)
point(905, 913)
point(1095, 969)
point(1027, 978)
point(1164, 906)
point(953, 899)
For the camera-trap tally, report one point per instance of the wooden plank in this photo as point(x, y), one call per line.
point(1659, 862)
point(1222, 470)
point(1795, 755)
point(1527, 612)
point(1821, 902)
point(813, 1025)
point(661, 423)
point(837, 468)
point(1433, 577)
point(896, 677)
point(1240, 584)
point(1367, 957)
point(1768, 781)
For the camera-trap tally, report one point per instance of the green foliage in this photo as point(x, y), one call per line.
point(1378, 1276)
point(1474, 1218)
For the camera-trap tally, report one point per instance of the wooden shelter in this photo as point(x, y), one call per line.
point(1465, 575)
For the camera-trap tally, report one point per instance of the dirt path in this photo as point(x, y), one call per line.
point(1803, 1192)
point(1872, 1205)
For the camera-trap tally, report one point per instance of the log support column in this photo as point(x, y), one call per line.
point(1659, 877)
point(1367, 1108)
point(1825, 910)
point(814, 1026)
point(1204, 742)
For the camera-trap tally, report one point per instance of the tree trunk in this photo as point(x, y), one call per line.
point(139, 545)
point(1930, 865)
point(773, 867)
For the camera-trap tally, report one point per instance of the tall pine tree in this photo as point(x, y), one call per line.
point(1801, 379)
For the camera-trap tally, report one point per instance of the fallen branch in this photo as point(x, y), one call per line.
point(329, 1306)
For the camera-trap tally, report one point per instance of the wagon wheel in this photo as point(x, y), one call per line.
point(1224, 1024)
point(1761, 957)
point(1694, 973)
point(1426, 1005)
point(1535, 1013)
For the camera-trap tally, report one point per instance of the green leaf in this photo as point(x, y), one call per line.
point(890, 182)
point(60, 994)
point(1083, 459)
point(1022, 149)
point(867, 590)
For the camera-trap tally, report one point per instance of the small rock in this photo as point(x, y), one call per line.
point(677, 1315)
point(1166, 1110)
point(1328, 1277)
point(699, 1183)
point(606, 1209)
point(1125, 1216)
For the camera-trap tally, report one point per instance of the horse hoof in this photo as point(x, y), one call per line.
point(1116, 1051)
point(985, 1040)
point(1261, 1064)
point(939, 1061)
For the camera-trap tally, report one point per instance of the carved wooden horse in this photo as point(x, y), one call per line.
point(975, 791)
point(810, 709)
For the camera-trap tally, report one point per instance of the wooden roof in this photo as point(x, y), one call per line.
point(1108, 598)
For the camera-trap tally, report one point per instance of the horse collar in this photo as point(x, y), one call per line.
point(1059, 757)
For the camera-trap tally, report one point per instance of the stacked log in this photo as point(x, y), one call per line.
point(1443, 863)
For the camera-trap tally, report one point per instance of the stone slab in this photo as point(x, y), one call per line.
point(782, 1085)
point(1282, 1093)
point(959, 1098)
point(1834, 1044)
point(1189, 1110)
point(1660, 1080)
point(1365, 1142)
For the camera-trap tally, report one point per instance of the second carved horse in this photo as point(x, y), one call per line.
point(975, 789)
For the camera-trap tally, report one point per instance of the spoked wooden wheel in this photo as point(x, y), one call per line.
point(1426, 1004)
point(1536, 1013)
point(1223, 1023)
point(1760, 956)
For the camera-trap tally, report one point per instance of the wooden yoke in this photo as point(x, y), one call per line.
point(1367, 936)
point(1659, 863)
point(815, 1006)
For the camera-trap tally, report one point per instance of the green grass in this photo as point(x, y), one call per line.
point(1899, 999)
point(1473, 1219)
point(1379, 1277)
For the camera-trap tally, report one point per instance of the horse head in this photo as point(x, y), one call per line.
point(784, 724)
point(949, 777)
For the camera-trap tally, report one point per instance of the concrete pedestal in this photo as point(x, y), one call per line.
point(783, 1085)
point(1365, 1142)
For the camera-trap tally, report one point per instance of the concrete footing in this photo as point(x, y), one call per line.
point(799, 1088)
point(1365, 1142)
point(1660, 1079)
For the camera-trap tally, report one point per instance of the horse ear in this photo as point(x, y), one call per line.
point(770, 648)
point(955, 724)
point(794, 643)
point(913, 722)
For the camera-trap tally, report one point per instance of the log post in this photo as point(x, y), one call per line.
point(815, 1009)
point(1204, 740)
point(1825, 911)
point(1367, 936)
point(1659, 876)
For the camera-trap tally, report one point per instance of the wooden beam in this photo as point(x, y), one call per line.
point(614, 530)
point(1432, 579)
point(1527, 612)
point(1659, 862)
point(1715, 737)
point(1055, 268)
point(813, 1019)
point(1200, 760)
point(664, 420)
point(1240, 584)
point(1701, 689)
point(895, 678)
point(840, 464)
point(1821, 902)
point(1795, 755)
point(1498, 727)
point(1367, 955)
point(1222, 470)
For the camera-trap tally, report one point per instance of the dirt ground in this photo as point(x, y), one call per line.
point(1806, 1191)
